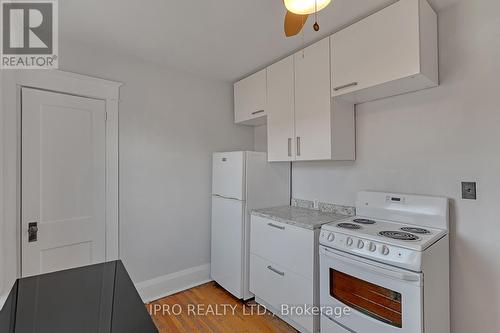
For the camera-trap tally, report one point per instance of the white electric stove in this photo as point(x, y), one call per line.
point(389, 265)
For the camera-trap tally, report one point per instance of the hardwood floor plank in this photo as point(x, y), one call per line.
point(209, 308)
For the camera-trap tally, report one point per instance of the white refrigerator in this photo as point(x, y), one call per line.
point(241, 181)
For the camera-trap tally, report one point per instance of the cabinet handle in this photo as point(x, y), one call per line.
point(289, 147)
point(298, 146)
point(276, 226)
point(257, 112)
point(272, 269)
point(352, 84)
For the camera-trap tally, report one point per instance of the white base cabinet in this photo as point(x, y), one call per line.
point(284, 270)
point(280, 288)
point(391, 52)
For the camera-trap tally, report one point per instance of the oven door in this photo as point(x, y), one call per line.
point(382, 298)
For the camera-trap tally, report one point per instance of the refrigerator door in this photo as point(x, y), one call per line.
point(228, 175)
point(227, 244)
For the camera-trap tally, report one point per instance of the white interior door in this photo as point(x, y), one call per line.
point(63, 181)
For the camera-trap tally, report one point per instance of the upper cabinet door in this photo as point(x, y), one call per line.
point(280, 109)
point(250, 98)
point(312, 102)
point(396, 43)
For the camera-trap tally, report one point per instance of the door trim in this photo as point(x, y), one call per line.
point(60, 82)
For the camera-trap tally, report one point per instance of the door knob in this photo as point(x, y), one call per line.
point(32, 232)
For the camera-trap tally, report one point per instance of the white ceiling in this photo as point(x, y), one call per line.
point(221, 39)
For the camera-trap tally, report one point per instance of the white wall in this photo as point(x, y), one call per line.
point(170, 123)
point(430, 141)
point(260, 140)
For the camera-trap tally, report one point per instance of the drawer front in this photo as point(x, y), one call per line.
point(291, 247)
point(277, 286)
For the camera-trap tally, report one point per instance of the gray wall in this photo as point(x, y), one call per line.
point(430, 141)
point(170, 123)
point(260, 141)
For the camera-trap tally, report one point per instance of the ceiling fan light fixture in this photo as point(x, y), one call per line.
point(305, 7)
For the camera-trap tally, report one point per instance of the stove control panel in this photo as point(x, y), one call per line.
point(390, 254)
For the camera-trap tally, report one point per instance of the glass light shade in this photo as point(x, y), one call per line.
point(305, 7)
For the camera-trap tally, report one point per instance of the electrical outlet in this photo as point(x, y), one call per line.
point(316, 204)
point(469, 190)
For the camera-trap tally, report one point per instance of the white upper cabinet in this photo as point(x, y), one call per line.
point(303, 122)
point(312, 102)
point(391, 52)
point(280, 106)
point(250, 99)
point(307, 99)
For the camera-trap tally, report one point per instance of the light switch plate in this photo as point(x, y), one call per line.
point(469, 190)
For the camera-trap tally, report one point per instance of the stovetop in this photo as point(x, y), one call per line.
point(407, 236)
point(390, 228)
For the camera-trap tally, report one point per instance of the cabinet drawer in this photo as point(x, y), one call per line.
point(277, 286)
point(291, 247)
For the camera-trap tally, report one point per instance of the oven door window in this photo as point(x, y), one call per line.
point(375, 301)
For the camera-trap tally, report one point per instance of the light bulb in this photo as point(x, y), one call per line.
point(305, 7)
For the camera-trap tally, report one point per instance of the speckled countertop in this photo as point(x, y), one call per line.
point(300, 217)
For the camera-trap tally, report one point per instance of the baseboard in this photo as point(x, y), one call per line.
point(169, 284)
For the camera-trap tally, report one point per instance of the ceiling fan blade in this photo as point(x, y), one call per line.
point(294, 23)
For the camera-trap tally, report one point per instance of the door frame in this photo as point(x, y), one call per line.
point(60, 82)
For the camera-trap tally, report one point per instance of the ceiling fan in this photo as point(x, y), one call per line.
point(297, 13)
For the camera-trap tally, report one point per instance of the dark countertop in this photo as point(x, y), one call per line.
point(93, 299)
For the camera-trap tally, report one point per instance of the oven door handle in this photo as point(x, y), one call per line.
point(373, 269)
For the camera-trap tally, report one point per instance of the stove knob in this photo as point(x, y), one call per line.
point(384, 250)
point(372, 247)
point(361, 244)
point(349, 241)
point(331, 237)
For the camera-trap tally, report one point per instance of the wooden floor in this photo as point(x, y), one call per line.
point(209, 308)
